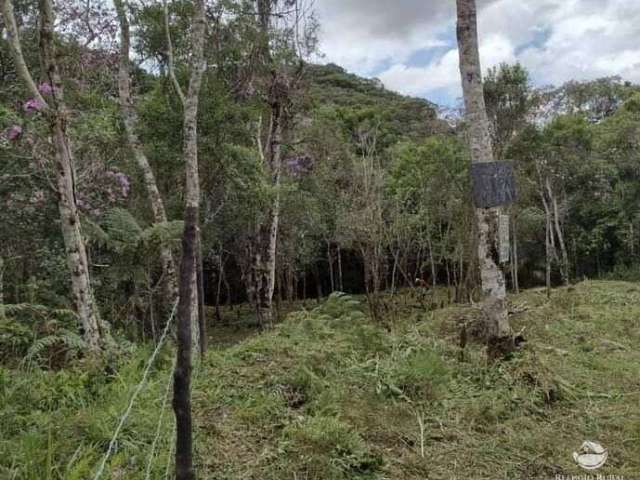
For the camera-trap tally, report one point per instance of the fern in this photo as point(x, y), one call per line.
point(72, 341)
point(123, 229)
point(166, 233)
point(340, 306)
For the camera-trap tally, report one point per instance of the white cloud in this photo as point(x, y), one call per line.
point(444, 73)
point(557, 40)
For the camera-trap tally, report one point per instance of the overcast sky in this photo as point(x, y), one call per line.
point(410, 44)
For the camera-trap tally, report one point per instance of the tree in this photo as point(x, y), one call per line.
point(508, 99)
point(54, 109)
point(188, 295)
point(130, 120)
point(278, 72)
point(499, 336)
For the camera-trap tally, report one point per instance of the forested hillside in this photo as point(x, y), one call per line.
point(176, 173)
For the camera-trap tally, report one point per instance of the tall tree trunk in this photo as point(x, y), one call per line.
point(202, 314)
point(548, 236)
point(564, 269)
point(130, 120)
point(331, 273)
point(219, 286)
point(264, 256)
point(514, 256)
point(65, 180)
point(316, 275)
point(396, 254)
point(187, 289)
point(340, 284)
point(499, 335)
point(2, 316)
point(95, 331)
point(432, 263)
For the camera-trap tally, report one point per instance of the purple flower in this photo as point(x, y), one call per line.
point(14, 132)
point(299, 166)
point(33, 105)
point(125, 185)
point(45, 88)
point(123, 182)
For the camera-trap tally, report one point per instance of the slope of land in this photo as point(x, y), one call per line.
point(329, 395)
point(356, 99)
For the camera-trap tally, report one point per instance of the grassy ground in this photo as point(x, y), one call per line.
point(328, 395)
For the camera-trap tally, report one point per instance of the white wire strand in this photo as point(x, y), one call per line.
point(135, 394)
point(147, 475)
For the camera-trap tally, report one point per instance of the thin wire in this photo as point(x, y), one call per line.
point(147, 475)
point(170, 454)
point(135, 394)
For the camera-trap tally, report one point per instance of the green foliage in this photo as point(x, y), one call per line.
point(418, 375)
point(70, 341)
point(331, 449)
point(35, 333)
point(314, 403)
point(340, 306)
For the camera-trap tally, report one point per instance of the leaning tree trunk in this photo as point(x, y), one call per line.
point(94, 331)
point(130, 120)
point(498, 330)
point(187, 305)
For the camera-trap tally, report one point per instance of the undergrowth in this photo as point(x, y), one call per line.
point(330, 395)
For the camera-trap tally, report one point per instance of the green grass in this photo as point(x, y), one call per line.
point(329, 395)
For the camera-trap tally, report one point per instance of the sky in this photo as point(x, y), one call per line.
point(411, 46)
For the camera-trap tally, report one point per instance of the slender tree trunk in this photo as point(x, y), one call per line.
point(65, 179)
point(187, 288)
point(514, 256)
point(182, 373)
point(202, 314)
point(548, 254)
point(264, 259)
point(340, 285)
point(558, 230)
point(499, 335)
point(219, 286)
point(432, 263)
point(396, 254)
point(130, 121)
point(2, 315)
point(316, 274)
point(330, 262)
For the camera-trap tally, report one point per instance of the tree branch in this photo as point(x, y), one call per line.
point(18, 56)
point(172, 71)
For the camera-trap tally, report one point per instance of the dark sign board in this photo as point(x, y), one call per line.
point(493, 184)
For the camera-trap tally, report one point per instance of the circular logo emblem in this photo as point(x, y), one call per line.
point(591, 455)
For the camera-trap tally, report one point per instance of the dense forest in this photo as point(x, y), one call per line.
point(196, 160)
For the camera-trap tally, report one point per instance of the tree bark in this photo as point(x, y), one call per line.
point(558, 230)
point(331, 273)
point(548, 254)
point(130, 120)
point(340, 284)
point(514, 257)
point(182, 372)
point(2, 316)
point(202, 313)
point(498, 330)
point(187, 289)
